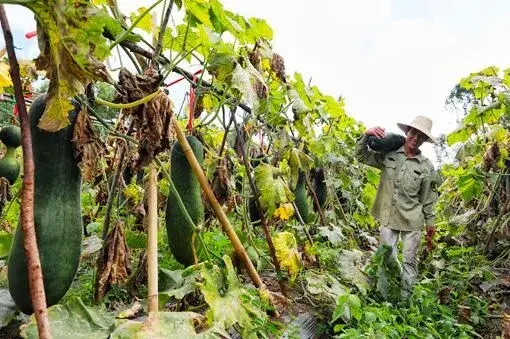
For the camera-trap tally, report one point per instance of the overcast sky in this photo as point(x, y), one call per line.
point(389, 59)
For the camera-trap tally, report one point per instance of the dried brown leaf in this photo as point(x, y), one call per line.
point(152, 120)
point(464, 314)
point(199, 107)
point(491, 158)
point(505, 326)
point(278, 66)
point(221, 183)
point(139, 278)
point(5, 194)
point(102, 194)
point(154, 129)
point(88, 147)
point(113, 262)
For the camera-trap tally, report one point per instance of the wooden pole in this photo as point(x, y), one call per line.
point(152, 244)
point(35, 277)
point(220, 214)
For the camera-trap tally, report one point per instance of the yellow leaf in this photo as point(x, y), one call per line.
point(287, 253)
point(5, 78)
point(145, 23)
point(208, 102)
point(284, 212)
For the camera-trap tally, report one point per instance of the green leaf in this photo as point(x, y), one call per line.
point(91, 245)
point(350, 268)
point(258, 28)
point(5, 244)
point(221, 65)
point(220, 20)
point(470, 186)
point(300, 87)
point(7, 308)
point(72, 47)
point(229, 302)
point(324, 287)
point(136, 240)
point(73, 318)
point(145, 23)
point(200, 10)
point(335, 108)
point(165, 325)
point(348, 308)
point(177, 284)
point(461, 134)
point(272, 188)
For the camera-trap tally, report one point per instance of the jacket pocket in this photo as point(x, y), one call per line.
point(412, 181)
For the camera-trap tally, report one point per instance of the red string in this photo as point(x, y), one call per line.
point(182, 78)
point(30, 35)
point(191, 103)
point(191, 96)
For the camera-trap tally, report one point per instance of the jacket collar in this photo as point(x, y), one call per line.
point(420, 157)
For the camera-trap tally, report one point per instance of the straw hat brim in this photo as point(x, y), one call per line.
point(405, 127)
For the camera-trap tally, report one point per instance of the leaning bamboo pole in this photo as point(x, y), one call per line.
point(220, 214)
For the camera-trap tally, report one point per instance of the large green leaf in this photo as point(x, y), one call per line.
point(177, 284)
point(324, 287)
point(72, 47)
point(273, 190)
point(348, 308)
point(165, 325)
point(229, 302)
point(470, 186)
point(257, 29)
point(73, 320)
point(350, 267)
point(199, 9)
point(7, 308)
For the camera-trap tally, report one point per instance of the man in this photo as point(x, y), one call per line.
point(405, 197)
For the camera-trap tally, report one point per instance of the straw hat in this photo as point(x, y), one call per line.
point(422, 124)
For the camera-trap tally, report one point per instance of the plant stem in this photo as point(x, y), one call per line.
point(152, 244)
point(35, 277)
point(316, 203)
point(263, 219)
point(129, 104)
point(133, 25)
point(164, 23)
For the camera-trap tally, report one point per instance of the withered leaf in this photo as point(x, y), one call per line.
point(88, 147)
point(154, 129)
point(152, 120)
point(5, 194)
point(113, 262)
point(220, 183)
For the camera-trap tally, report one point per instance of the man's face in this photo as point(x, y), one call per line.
point(415, 138)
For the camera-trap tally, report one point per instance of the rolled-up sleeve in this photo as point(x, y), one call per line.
point(366, 156)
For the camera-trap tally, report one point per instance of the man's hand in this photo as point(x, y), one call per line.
point(430, 236)
point(376, 131)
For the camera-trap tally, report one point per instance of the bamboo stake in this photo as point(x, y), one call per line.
point(35, 277)
point(152, 244)
point(227, 228)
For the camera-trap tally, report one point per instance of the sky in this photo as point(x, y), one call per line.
point(389, 59)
